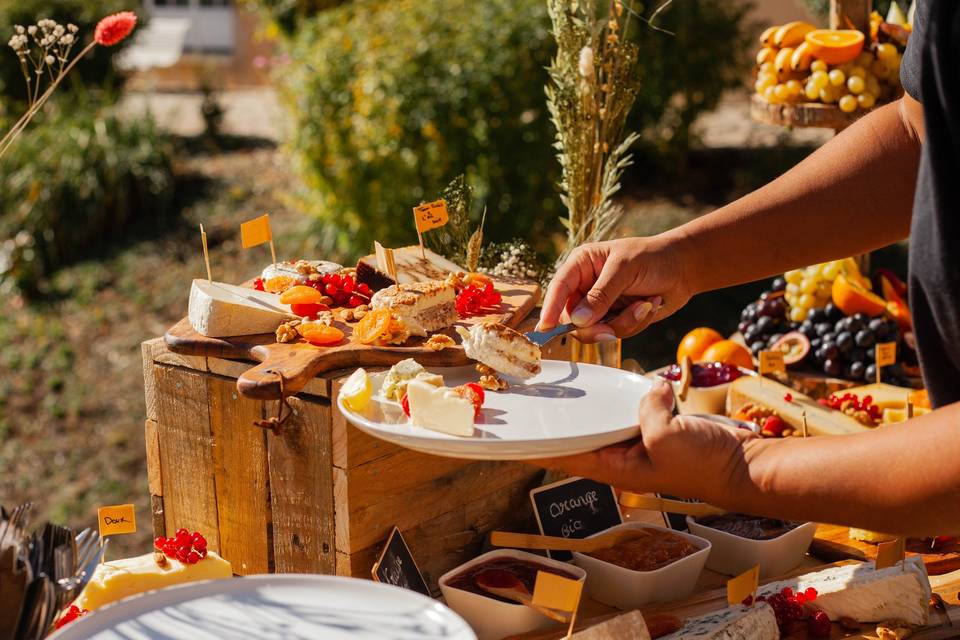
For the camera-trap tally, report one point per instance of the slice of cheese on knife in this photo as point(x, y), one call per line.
point(821, 420)
point(218, 310)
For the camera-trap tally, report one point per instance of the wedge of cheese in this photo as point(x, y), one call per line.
point(218, 310)
point(119, 579)
point(862, 592)
point(439, 409)
point(821, 420)
point(733, 623)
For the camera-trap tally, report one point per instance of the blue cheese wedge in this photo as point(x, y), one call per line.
point(219, 310)
point(395, 383)
point(862, 592)
point(733, 623)
point(439, 409)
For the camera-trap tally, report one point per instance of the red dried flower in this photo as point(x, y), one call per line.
point(115, 28)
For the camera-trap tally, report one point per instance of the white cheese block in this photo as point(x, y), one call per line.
point(219, 310)
point(861, 592)
point(439, 409)
point(733, 623)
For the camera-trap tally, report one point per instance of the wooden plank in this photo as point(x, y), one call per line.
point(152, 440)
point(301, 490)
point(833, 543)
point(186, 457)
point(157, 516)
point(240, 471)
point(319, 386)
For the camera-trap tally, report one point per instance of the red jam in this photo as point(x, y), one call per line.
point(503, 571)
point(709, 374)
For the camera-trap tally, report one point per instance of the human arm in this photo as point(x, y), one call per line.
point(902, 478)
point(852, 195)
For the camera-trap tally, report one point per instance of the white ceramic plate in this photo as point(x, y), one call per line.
point(273, 607)
point(568, 408)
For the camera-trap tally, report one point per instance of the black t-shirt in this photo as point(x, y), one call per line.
point(930, 73)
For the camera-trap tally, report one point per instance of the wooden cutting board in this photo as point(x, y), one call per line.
point(942, 625)
point(300, 361)
point(832, 544)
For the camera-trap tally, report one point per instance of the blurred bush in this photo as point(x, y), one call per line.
point(95, 69)
point(390, 100)
point(78, 180)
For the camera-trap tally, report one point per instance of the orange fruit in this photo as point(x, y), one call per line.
point(851, 298)
point(835, 46)
point(728, 352)
point(301, 294)
point(278, 284)
point(696, 342)
point(372, 326)
point(321, 335)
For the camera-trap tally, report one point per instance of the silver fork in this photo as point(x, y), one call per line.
point(88, 556)
point(17, 520)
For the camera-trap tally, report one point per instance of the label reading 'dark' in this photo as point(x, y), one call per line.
point(116, 519)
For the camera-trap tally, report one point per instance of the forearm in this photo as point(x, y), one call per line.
point(851, 196)
point(903, 478)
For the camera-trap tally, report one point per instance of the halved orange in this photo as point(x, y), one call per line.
point(321, 335)
point(301, 294)
point(373, 326)
point(835, 46)
point(851, 298)
point(728, 352)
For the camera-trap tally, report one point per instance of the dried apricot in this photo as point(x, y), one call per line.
point(301, 294)
point(278, 284)
point(373, 326)
point(321, 335)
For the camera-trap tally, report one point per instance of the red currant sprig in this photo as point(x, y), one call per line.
point(344, 289)
point(188, 548)
point(791, 607)
point(836, 401)
point(72, 613)
point(472, 299)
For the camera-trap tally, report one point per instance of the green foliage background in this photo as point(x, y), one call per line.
point(390, 100)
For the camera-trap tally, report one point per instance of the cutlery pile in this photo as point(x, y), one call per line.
point(41, 572)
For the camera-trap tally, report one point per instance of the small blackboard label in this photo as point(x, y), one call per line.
point(676, 521)
point(575, 508)
point(397, 567)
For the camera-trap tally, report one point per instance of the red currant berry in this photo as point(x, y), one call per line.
point(258, 284)
point(348, 285)
point(810, 593)
point(363, 288)
point(202, 552)
point(182, 553)
point(199, 541)
point(355, 301)
point(775, 425)
point(800, 597)
point(788, 397)
point(794, 610)
point(331, 289)
point(818, 625)
point(170, 549)
point(158, 542)
point(786, 592)
point(193, 557)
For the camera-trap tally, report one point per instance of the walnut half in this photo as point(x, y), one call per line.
point(439, 342)
point(287, 332)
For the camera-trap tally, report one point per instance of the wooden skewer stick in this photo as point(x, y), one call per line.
point(803, 422)
point(206, 253)
point(686, 373)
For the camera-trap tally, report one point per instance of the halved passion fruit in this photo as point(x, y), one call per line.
point(795, 347)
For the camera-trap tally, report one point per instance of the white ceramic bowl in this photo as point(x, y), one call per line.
point(705, 399)
point(629, 589)
point(492, 619)
point(733, 554)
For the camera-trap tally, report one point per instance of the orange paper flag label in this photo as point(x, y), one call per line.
point(886, 354)
point(743, 586)
point(771, 362)
point(256, 231)
point(556, 592)
point(430, 215)
point(116, 520)
point(890, 553)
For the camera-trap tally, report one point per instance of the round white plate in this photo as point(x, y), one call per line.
point(568, 408)
point(273, 607)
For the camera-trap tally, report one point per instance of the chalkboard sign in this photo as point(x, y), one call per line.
point(575, 508)
point(397, 567)
point(676, 521)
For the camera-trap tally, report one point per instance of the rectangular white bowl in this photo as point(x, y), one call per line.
point(492, 619)
point(733, 554)
point(629, 589)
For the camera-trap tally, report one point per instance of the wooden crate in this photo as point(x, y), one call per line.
point(321, 496)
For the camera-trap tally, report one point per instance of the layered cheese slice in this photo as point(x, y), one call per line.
point(502, 349)
point(120, 579)
point(733, 623)
point(439, 409)
point(862, 592)
point(218, 310)
point(423, 306)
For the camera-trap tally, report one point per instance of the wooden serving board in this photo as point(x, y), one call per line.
point(832, 543)
point(942, 625)
point(298, 362)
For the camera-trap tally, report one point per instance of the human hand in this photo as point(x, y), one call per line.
point(681, 455)
point(642, 278)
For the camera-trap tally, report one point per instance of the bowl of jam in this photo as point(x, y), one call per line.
point(491, 616)
point(662, 565)
point(742, 541)
point(709, 383)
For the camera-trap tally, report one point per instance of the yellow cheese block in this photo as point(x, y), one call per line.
point(119, 579)
point(821, 421)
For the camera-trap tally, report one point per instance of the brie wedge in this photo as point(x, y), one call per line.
point(733, 623)
point(861, 592)
point(439, 409)
point(219, 310)
point(117, 579)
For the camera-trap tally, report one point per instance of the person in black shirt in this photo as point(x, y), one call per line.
point(894, 173)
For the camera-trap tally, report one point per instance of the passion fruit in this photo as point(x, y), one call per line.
point(795, 347)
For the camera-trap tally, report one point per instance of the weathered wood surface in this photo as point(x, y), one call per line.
point(833, 543)
point(299, 362)
point(804, 114)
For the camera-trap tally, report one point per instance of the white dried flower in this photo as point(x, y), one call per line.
point(72, 28)
point(50, 60)
point(67, 39)
point(585, 64)
point(58, 30)
point(19, 28)
point(32, 29)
